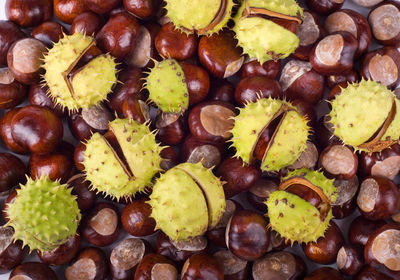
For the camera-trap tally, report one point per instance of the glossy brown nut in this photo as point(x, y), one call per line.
point(6, 135)
point(56, 166)
point(202, 266)
point(11, 253)
point(309, 32)
point(334, 54)
point(220, 54)
point(155, 266)
point(102, 7)
point(349, 260)
point(130, 86)
point(385, 163)
point(169, 158)
point(81, 188)
point(197, 82)
point(210, 154)
point(24, 59)
point(34, 271)
point(125, 257)
point(279, 265)
point(63, 253)
point(180, 251)
point(221, 90)
point(238, 176)
point(308, 158)
point(367, 3)
point(324, 7)
point(378, 198)
point(338, 161)
point(269, 69)
point(38, 96)
point(361, 229)
point(325, 250)
point(252, 88)
point(172, 128)
point(67, 10)
point(299, 81)
point(345, 203)
point(383, 19)
point(101, 227)
point(382, 65)
point(118, 35)
point(260, 191)
point(136, 109)
point(79, 156)
point(247, 236)
point(172, 43)
point(37, 129)
point(325, 273)
point(144, 9)
point(324, 133)
point(234, 267)
point(382, 249)
point(136, 220)
point(86, 22)
point(28, 13)
point(49, 32)
point(9, 33)
point(350, 77)
point(12, 92)
point(91, 263)
point(370, 273)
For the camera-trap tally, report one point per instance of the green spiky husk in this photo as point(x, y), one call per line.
point(167, 86)
point(91, 83)
point(44, 214)
point(142, 154)
point(263, 39)
point(289, 142)
point(359, 111)
point(185, 15)
point(186, 201)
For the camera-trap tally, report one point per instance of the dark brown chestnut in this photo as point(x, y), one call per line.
point(136, 220)
point(156, 266)
point(118, 35)
point(308, 158)
point(324, 7)
point(247, 236)
point(29, 13)
point(252, 88)
point(136, 109)
point(102, 7)
point(325, 273)
point(334, 54)
point(349, 260)
point(169, 158)
point(238, 176)
point(12, 172)
point(324, 133)
point(49, 32)
point(361, 229)
point(279, 265)
point(24, 59)
point(33, 271)
point(367, 3)
point(87, 22)
point(300, 81)
point(338, 161)
point(38, 96)
point(9, 33)
point(91, 263)
point(6, 133)
point(11, 253)
point(370, 273)
point(197, 82)
point(63, 253)
point(170, 42)
point(234, 267)
point(67, 10)
point(212, 120)
point(81, 188)
point(220, 55)
point(260, 192)
point(269, 69)
point(384, 22)
point(144, 9)
point(12, 92)
point(378, 198)
point(325, 250)
point(101, 227)
point(79, 156)
point(202, 266)
point(222, 90)
point(349, 77)
point(345, 203)
point(171, 128)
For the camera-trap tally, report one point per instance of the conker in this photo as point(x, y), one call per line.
point(136, 220)
point(91, 263)
point(33, 271)
point(155, 266)
point(202, 266)
point(234, 267)
point(384, 22)
point(63, 253)
point(28, 13)
point(349, 260)
point(361, 229)
point(9, 33)
point(11, 253)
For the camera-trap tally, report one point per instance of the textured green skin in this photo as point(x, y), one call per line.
point(185, 14)
point(141, 152)
point(186, 201)
point(167, 86)
point(360, 110)
point(91, 84)
point(258, 36)
point(44, 214)
point(290, 140)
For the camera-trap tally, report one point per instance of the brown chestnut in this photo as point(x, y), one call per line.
point(67, 10)
point(170, 42)
point(349, 260)
point(12, 172)
point(63, 253)
point(308, 158)
point(171, 128)
point(6, 135)
point(367, 3)
point(79, 156)
point(279, 265)
point(220, 54)
point(11, 253)
point(370, 273)
point(349, 77)
point(269, 69)
point(325, 273)
point(24, 59)
point(81, 188)
point(247, 236)
point(12, 92)
point(197, 82)
point(91, 263)
point(144, 9)
point(384, 22)
point(345, 203)
point(334, 54)
point(252, 88)
point(38, 96)
point(87, 22)
point(49, 32)
point(378, 198)
point(234, 267)
point(339, 161)
point(33, 271)
point(324, 7)
point(136, 109)
point(136, 220)
point(260, 192)
point(169, 158)
point(202, 266)
point(101, 227)
point(156, 266)
point(101, 6)
point(361, 229)
point(222, 90)
point(9, 33)
point(28, 13)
